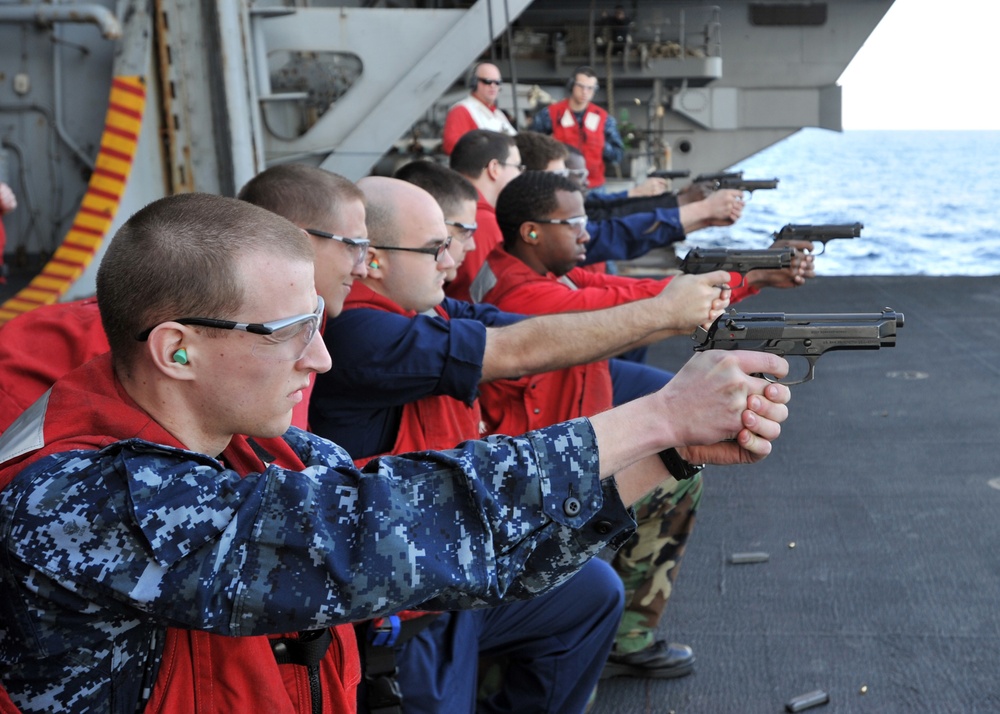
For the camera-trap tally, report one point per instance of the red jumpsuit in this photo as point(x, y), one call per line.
point(488, 237)
point(516, 406)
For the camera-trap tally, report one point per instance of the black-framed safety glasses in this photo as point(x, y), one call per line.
point(436, 250)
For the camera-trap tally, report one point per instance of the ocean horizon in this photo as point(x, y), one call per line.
point(928, 200)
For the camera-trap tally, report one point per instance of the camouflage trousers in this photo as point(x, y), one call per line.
point(649, 561)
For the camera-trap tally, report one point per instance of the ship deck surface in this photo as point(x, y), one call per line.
point(882, 481)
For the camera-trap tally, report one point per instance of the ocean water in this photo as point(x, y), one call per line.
point(929, 200)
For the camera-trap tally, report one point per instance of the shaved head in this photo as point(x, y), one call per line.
point(387, 199)
point(404, 222)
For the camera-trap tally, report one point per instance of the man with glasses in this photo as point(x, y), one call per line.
point(409, 365)
point(331, 209)
point(478, 110)
point(489, 160)
point(40, 346)
point(537, 271)
point(457, 199)
point(638, 226)
point(170, 543)
point(408, 266)
point(579, 122)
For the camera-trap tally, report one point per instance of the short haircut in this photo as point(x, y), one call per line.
point(179, 257)
point(448, 187)
point(530, 196)
point(585, 70)
point(305, 195)
point(538, 149)
point(477, 148)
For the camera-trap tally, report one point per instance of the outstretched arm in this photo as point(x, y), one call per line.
point(722, 208)
point(548, 342)
point(712, 410)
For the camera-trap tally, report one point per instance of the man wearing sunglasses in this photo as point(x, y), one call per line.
point(169, 543)
point(479, 109)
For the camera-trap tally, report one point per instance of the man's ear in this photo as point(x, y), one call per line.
point(373, 264)
point(493, 169)
point(172, 350)
point(529, 232)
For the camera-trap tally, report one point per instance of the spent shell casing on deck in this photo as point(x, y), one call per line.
point(807, 701)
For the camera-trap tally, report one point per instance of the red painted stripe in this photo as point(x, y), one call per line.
point(50, 291)
point(95, 212)
point(110, 174)
point(125, 110)
point(138, 90)
point(103, 194)
point(87, 230)
point(36, 303)
point(116, 154)
point(65, 263)
point(131, 135)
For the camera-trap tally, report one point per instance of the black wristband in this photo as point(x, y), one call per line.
point(677, 466)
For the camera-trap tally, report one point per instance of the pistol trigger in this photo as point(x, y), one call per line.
point(812, 368)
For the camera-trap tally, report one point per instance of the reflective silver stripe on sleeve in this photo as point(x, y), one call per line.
point(26, 434)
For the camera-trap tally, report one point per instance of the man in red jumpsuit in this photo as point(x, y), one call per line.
point(536, 271)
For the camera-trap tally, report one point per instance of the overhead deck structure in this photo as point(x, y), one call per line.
point(234, 86)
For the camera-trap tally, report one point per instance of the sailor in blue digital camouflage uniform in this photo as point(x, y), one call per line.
point(169, 544)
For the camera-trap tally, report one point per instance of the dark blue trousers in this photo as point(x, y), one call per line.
point(555, 646)
point(631, 380)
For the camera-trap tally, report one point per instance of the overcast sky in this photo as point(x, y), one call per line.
point(928, 65)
